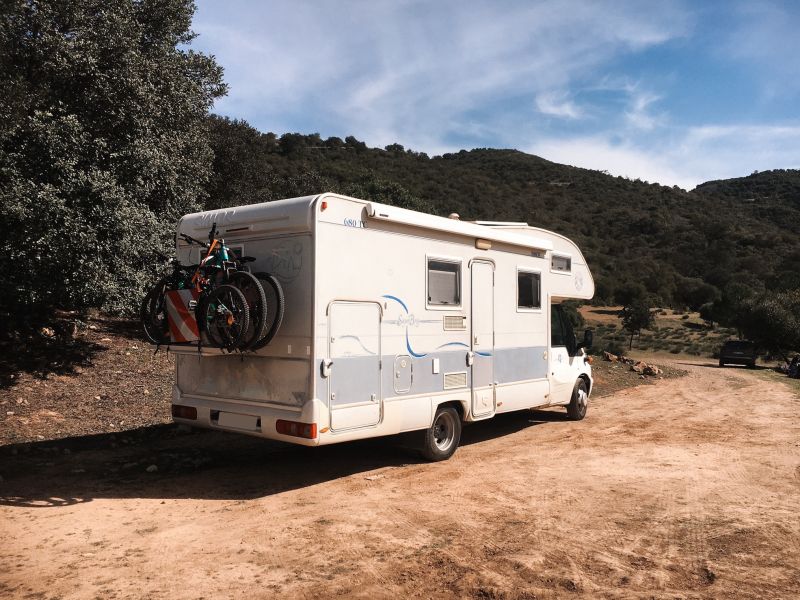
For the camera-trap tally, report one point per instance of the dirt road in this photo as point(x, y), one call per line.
point(686, 489)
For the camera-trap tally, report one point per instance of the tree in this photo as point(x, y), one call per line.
point(772, 321)
point(102, 145)
point(630, 293)
point(637, 316)
point(694, 292)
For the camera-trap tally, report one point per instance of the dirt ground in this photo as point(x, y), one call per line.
point(689, 488)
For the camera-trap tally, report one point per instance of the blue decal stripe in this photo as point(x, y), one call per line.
point(408, 341)
point(410, 351)
point(396, 299)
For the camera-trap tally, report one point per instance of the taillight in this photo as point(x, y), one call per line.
point(184, 412)
point(293, 428)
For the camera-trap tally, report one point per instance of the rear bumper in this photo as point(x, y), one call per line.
point(262, 418)
point(738, 360)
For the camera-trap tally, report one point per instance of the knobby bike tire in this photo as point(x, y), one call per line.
point(226, 317)
point(257, 305)
point(153, 313)
point(276, 305)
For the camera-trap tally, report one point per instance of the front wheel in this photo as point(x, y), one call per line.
point(443, 436)
point(576, 409)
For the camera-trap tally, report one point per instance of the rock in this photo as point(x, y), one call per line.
point(97, 398)
point(652, 370)
point(10, 413)
point(151, 469)
point(77, 370)
point(93, 327)
point(610, 357)
point(638, 367)
point(47, 332)
point(147, 392)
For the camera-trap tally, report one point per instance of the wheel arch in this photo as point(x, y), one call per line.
point(459, 405)
point(588, 381)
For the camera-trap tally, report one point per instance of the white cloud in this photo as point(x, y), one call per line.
point(690, 157)
point(638, 114)
point(557, 104)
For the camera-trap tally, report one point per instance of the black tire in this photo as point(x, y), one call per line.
point(751, 365)
point(276, 306)
point(442, 437)
point(721, 363)
point(576, 409)
point(257, 305)
point(225, 317)
point(153, 313)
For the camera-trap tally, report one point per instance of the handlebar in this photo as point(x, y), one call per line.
point(192, 240)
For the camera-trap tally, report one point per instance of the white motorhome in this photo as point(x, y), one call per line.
point(395, 321)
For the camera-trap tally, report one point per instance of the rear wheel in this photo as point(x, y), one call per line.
point(443, 436)
point(276, 305)
point(257, 305)
point(225, 317)
point(576, 409)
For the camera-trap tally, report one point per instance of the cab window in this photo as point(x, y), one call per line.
point(561, 332)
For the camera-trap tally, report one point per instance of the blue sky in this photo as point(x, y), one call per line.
point(671, 92)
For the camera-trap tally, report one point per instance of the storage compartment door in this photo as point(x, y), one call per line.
point(354, 348)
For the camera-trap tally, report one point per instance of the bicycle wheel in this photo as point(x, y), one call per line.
point(153, 313)
point(226, 317)
point(253, 292)
point(276, 305)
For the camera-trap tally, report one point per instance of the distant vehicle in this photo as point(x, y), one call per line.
point(738, 352)
point(396, 321)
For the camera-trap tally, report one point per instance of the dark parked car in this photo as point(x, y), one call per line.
point(738, 352)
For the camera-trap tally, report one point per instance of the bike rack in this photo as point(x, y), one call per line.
point(194, 349)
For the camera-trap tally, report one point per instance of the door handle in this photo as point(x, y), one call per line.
point(470, 358)
point(325, 367)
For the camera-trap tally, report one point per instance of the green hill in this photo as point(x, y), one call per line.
point(673, 242)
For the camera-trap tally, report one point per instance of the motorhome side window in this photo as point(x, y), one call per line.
point(561, 263)
point(529, 290)
point(444, 282)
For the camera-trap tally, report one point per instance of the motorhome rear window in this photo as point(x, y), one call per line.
point(561, 263)
point(444, 282)
point(529, 290)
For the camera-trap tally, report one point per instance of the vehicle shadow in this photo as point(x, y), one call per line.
point(210, 465)
point(709, 365)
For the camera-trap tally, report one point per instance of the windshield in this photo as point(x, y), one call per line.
point(739, 345)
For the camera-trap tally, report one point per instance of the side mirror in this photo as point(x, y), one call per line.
point(588, 339)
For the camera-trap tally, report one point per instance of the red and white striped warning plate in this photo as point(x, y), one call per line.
point(182, 324)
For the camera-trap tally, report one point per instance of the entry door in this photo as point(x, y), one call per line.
point(354, 348)
point(482, 347)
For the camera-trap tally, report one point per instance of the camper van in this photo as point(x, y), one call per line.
point(395, 321)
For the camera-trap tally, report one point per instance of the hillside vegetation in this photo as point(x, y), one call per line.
point(682, 247)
